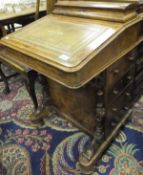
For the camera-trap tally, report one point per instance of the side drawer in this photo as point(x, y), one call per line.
point(119, 69)
point(119, 107)
point(121, 85)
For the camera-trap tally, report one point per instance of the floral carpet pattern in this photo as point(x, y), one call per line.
point(54, 148)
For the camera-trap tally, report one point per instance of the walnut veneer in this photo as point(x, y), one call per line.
point(91, 54)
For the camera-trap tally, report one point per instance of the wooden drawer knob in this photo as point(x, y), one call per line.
point(128, 94)
point(114, 109)
point(116, 71)
point(100, 93)
point(131, 58)
point(115, 91)
point(126, 108)
point(129, 77)
point(113, 123)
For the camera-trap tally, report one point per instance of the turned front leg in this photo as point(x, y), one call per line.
point(98, 134)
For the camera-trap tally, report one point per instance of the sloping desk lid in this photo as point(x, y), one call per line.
point(59, 41)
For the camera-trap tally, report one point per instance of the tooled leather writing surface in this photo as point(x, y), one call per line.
point(66, 42)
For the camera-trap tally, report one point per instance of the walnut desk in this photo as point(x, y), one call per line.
point(89, 52)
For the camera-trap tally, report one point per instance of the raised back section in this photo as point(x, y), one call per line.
point(110, 11)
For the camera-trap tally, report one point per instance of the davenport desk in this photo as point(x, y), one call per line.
point(91, 54)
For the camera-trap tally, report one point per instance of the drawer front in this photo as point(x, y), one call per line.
point(122, 100)
point(117, 110)
point(121, 85)
point(118, 70)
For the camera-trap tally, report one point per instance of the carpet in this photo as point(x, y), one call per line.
point(54, 148)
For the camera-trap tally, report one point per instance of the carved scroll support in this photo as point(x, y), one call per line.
point(29, 81)
point(46, 109)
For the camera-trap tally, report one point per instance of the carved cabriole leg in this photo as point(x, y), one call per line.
point(47, 108)
point(29, 81)
point(4, 79)
point(45, 90)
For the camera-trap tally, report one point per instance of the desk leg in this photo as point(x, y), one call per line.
point(47, 108)
point(45, 91)
point(29, 81)
point(6, 90)
point(4, 32)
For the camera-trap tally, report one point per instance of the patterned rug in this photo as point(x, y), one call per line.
point(54, 148)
